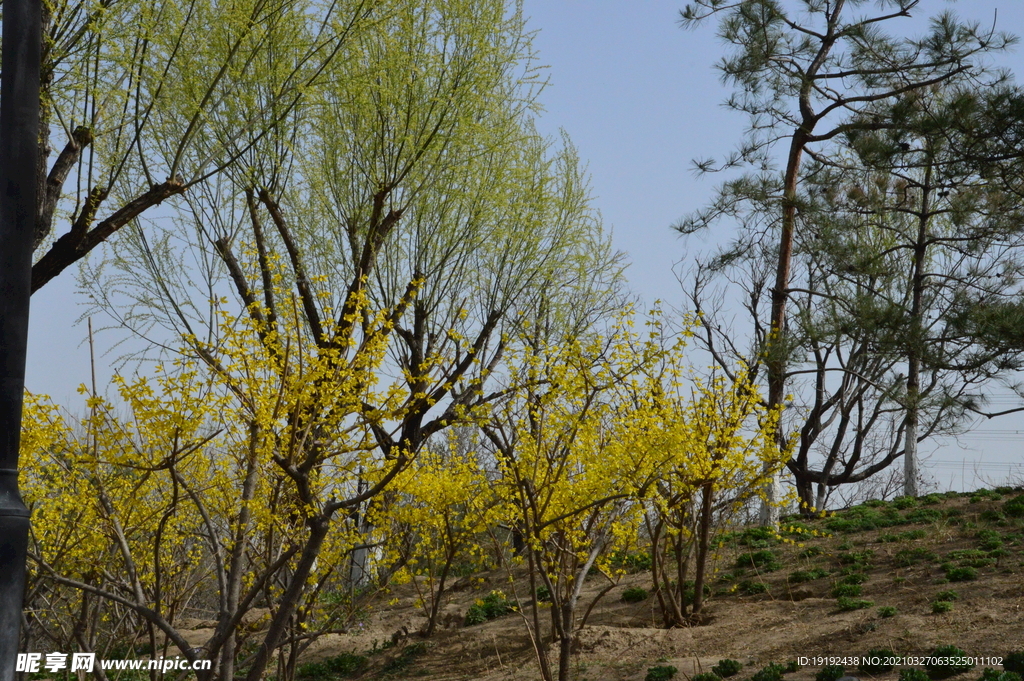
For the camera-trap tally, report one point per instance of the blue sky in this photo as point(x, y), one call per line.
point(640, 99)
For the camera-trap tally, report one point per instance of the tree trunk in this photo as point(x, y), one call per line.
point(704, 534)
point(914, 349)
point(776, 364)
point(318, 528)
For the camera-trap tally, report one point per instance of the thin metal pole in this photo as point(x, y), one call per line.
point(19, 143)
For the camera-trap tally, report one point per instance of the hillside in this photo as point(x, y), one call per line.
point(861, 579)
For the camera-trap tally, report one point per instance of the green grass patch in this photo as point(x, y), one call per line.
point(662, 672)
point(847, 604)
point(763, 560)
point(635, 594)
point(726, 668)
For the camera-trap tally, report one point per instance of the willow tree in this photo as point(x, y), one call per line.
point(147, 100)
point(805, 72)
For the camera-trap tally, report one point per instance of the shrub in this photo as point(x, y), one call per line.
point(1014, 662)
point(966, 554)
point(1014, 507)
point(726, 668)
point(856, 557)
point(887, 611)
point(947, 595)
point(635, 594)
point(842, 525)
point(799, 577)
point(989, 674)
point(773, 672)
point(751, 588)
point(990, 540)
point(759, 537)
point(924, 515)
point(765, 560)
point(846, 604)
point(840, 590)
point(946, 661)
point(961, 574)
point(706, 676)
point(490, 607)
point(875, 661)
point(807, 575)
point(660, 673)
point(991, 516)
point(939, 607)
point(791, 667)
point(911, 674)
point(831, 672)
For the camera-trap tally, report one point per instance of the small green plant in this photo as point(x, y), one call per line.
point(1014, 507)
point(763, 560)
point(543, 594)
point(947, 595)
point(706, 676)
point(726, 668)
point(961, 574)
point(857, 557)
point(912, 674)
point(887, 611)
point(848, 590)
point(791, 667)
point(903, 503)
point(752, 588)
point(773, 672)
point(989, 540)
point(759, 537)
point(635, 594)
point(939, 607)
point(847, 604)
point(854, 578)
point(931, 499)
point(831, 672)
point(946, 661)
point(991, 515)
point(924, 515)
point(876, 660)
point(810, 552)
point(989, 674)
point(491, 606)
point(1014, 662)
point(662, 672)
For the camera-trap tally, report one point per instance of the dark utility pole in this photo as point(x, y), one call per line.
point(19, 142)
